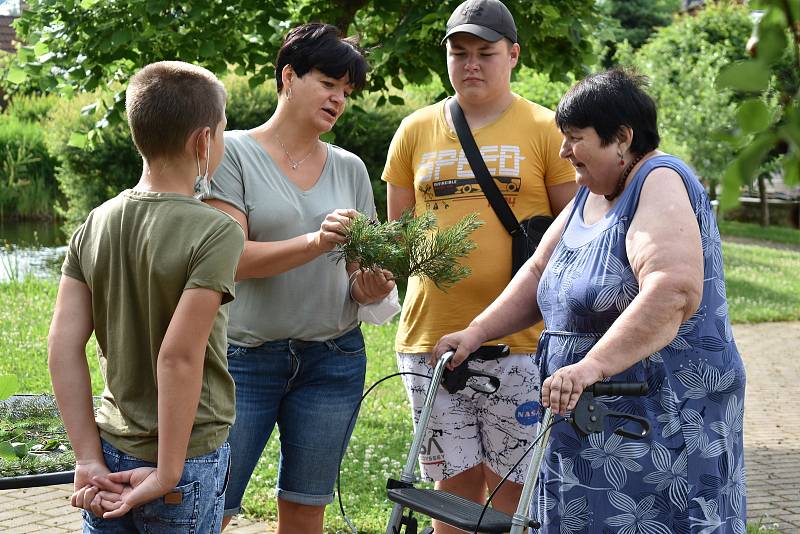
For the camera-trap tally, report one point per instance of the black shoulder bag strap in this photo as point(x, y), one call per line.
point(489, 188)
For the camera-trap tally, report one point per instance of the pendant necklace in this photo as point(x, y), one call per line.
point(292, 163)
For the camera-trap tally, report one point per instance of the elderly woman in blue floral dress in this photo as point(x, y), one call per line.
point(629, 282)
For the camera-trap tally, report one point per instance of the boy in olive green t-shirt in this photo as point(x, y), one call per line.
point(147, 272)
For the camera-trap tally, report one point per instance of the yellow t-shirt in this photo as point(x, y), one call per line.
point(520, 149)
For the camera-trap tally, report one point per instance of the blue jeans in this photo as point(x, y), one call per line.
point(202, 488)
point(311, 389)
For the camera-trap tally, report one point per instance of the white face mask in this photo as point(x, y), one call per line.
point(202, 184)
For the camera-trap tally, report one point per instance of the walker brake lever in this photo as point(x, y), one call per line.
point(462, 376)
point(589, 415)
point(459, 378)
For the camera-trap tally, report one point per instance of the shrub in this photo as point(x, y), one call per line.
point(89, 176)
point(31, 108)
point(539, 88)
point(247, 106)
point(27, 171)
point(367, 130)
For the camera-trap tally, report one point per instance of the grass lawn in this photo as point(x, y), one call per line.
point(763, 285)
point(778, 234)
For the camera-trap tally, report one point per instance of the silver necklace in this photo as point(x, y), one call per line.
point(292, 163)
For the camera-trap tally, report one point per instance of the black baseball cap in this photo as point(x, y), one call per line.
point(488, 19)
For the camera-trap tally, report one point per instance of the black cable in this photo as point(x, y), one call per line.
point(503, 480)
point(350, 429)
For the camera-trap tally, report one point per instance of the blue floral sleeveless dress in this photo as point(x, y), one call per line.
point(688, 475)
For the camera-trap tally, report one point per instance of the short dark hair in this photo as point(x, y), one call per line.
point(322, 47)
point(608, 101)
point(167, 101)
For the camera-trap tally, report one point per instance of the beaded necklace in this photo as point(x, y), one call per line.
point(622, 178)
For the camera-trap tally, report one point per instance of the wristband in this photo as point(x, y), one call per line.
point(350, 283)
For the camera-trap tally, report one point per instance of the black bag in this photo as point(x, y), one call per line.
point(526, 234)
point(524, 243)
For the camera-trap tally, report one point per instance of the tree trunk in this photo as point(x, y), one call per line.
point(762, 196)
point(349, 9)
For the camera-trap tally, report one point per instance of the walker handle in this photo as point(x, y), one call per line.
point(489, 352)
point(457, 379)
point(631, 389)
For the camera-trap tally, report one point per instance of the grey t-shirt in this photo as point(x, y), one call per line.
point(310, 302)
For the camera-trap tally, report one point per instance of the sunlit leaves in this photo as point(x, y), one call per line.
point(744, 166)
point(81, 46)
point(753, 115)
point(747, 75)
point(16, 75)
point(773, 73)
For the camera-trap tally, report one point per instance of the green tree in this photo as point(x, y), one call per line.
point(773, 72)
point(81, 45)
point(634, 21)
point(682, 61)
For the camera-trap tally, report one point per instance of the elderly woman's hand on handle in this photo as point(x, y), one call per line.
point(561, 390)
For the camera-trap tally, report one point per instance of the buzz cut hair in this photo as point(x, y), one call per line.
point(166, 101)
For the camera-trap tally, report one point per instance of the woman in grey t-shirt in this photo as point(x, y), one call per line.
point(295, 348)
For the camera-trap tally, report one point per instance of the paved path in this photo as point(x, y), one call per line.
point(47, 510)
point(771, 354)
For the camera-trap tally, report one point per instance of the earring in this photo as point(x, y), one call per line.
point(621, 158)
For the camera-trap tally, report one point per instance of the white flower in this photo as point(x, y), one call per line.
point(686, 328)
point(710, 520)
point(638, 517)
point(618, 286)
point(670, 475)
point(729, 430)
point(735, 488)
point(615, 457)
point(574, 516)
point(703, 380)
point(693, 430)
point(671, 417)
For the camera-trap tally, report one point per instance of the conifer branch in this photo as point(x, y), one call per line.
point(411, 246)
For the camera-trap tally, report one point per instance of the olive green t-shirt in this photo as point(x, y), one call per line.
point(137, 253)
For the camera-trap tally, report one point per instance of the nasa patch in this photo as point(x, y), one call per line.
point(528, 413)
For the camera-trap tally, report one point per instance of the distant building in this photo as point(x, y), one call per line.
point(7, 34)
point(9, 11)
point(691, 7)
point(11, 7)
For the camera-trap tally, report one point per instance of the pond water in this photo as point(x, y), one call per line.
point(30, 248)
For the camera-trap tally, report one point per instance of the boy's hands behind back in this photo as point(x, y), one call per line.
point(85, 494)
point(123, 491)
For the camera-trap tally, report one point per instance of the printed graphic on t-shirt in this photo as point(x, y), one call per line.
point(445, 176)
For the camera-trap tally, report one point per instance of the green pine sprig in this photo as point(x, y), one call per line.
point(411, 246)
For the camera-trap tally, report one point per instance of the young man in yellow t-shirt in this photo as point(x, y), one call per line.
point(473, 440)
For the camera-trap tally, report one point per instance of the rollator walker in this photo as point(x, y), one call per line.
point(587, 417)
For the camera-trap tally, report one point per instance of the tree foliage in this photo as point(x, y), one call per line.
point(773, 71)
point(634, 21)
point(682, 61)
point(81, 45)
